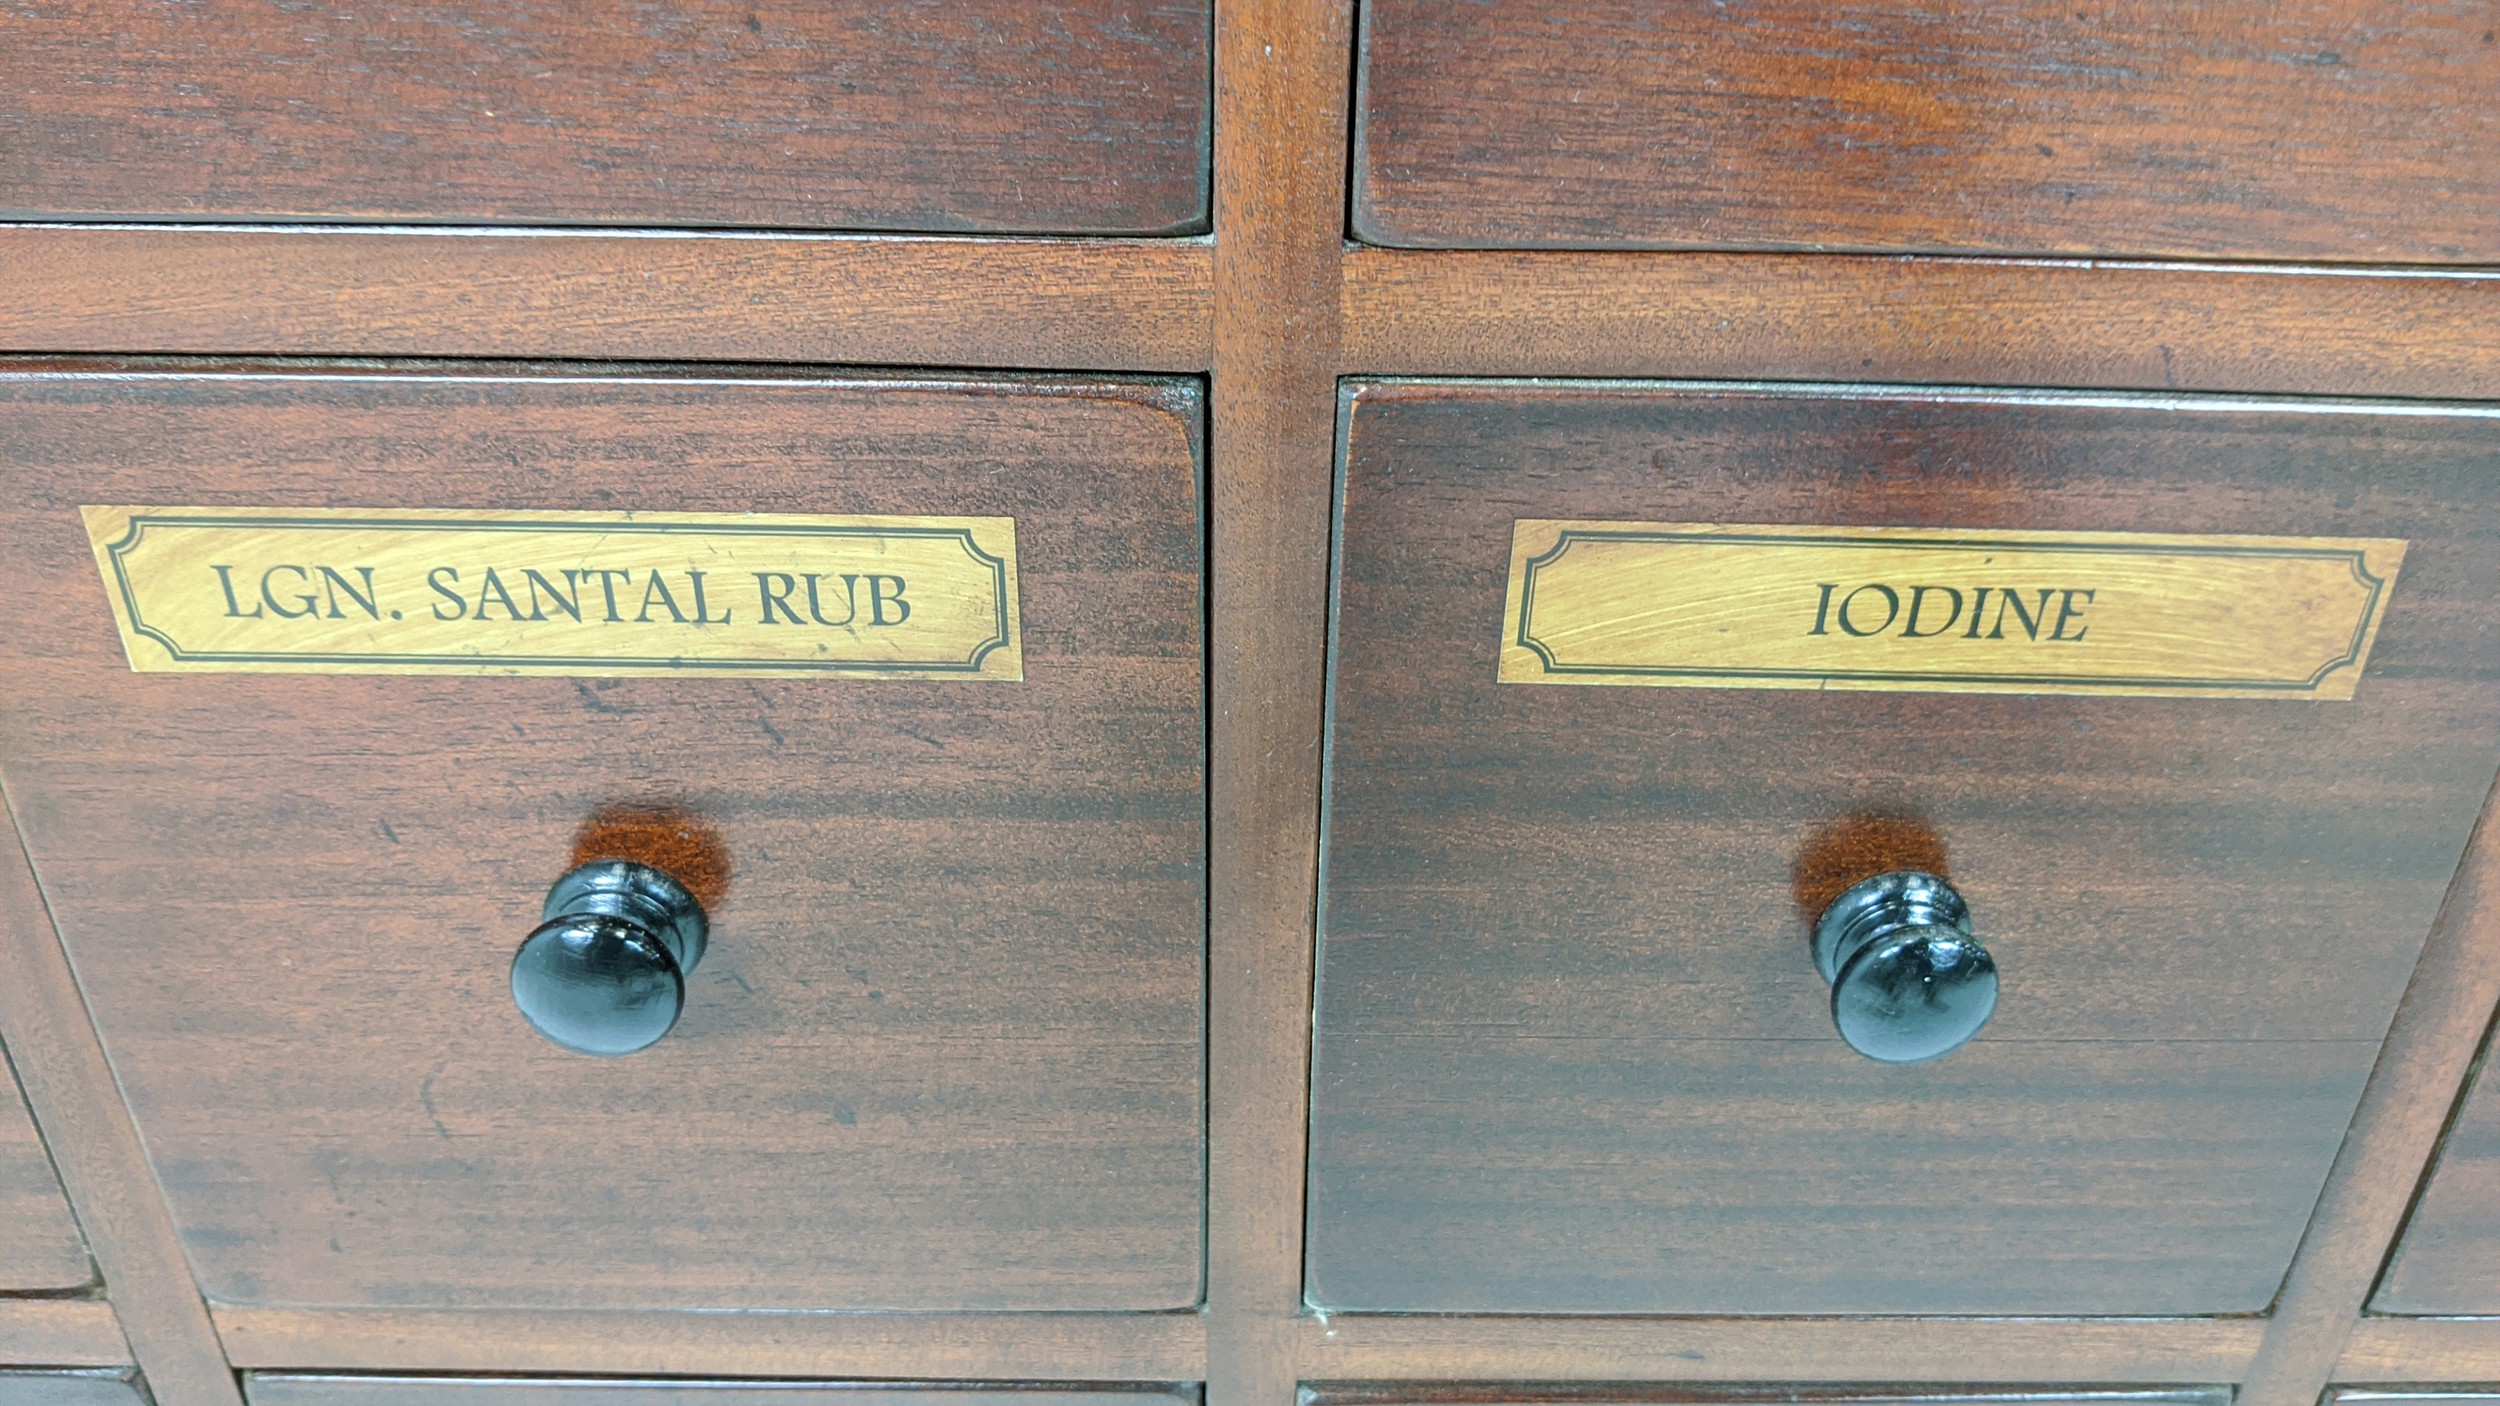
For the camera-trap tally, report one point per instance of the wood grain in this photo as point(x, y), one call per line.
point(2429, 1048)
point(70, 1085)
point(264, 1389)
point(945, 1048)
point(61, 1332)
point(2327, 129)
point(1280, 160)
point(2444, 1264)
point(1572, 1056)
point(87, 1388)
point(892, 300)
point(2421, 1350)
point(40, 1248)
point(1631, 1394)
point(1968, 321)
point(998, 116)
point(1388, 1348)
point(930, 1346)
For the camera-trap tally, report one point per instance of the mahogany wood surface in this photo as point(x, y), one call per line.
point(1280, 157)
point(70, 1086)
point(2449, 1259)
point(1572, 1055)
point(2428, 1052)
point(2420, 1350)
point(265, 1389)
point(1000, 116)
point(2317, 129)
point(40, 1247)
point(71, 1388)
point(61, 1332)
point(1521, 1394)
point(932, 1346)
point(945, 1048)
point(1032, 304)
point(1962, 321)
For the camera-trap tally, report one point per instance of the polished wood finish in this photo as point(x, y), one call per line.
point(1030, 304)
point(1563, 919)
point(61, 1332)
point(2449, 1259)
point(89, 1388)
point(944, 1051)
point(1001, 116)
point(1962, 321)
point(264, 1389)
point(2428, 1049)
point(1276, 307)
point(40, 1247)
point(2322, 129)
point(932, 1346)
point(1496, 1394)
point(70, 1086)
point(2050, 1352)
point(2420, 1350)
point(1280, 161)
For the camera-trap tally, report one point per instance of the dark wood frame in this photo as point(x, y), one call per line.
point(1274, 307)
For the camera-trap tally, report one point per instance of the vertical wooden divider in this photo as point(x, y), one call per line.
point(95, 1145)
point(1280, 142)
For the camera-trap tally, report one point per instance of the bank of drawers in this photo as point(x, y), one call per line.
point(993, 116)
point(945, 1048)
point(2313, 130)
point(40, 1248)
point(1573, 1052)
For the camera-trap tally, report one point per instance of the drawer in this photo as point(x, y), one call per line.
point(2443, 1263)
point(1574, 1050)
point(286, 1389)
point(81, 1388)
point(2309, 130)
point(40, 1247)
point(943, 1046)
point(992, 116)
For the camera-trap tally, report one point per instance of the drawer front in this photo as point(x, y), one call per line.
point(2309, 130)
point(943, 1049)
point(2443, 1265)
point(40, 1247)
point(295, 1389)
point(96, 1388)
point(1038, 116)
point(1574, 1053)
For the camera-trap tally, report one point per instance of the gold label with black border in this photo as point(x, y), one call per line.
point(1924, 610)
point(460, 591)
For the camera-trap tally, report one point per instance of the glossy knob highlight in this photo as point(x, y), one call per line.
point(1909, 982)
point(605, 972)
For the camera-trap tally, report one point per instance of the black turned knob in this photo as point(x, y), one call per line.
point(1909, 982)
point(605, 974)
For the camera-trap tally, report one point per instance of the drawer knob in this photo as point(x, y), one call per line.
point(605, 973)
point(1909, 982)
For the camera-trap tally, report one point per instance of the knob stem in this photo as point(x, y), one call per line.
point(1874, 909)
point(637, 894)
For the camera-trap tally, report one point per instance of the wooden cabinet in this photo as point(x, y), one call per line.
point(945, 1048)
point(2319, 130)
point(998, 116)
point(1573, 1054)
point(40, 1247)
point(1214, 945)
point(2449, 1260)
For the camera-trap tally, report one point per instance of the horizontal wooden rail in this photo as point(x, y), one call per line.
point(1046, 304)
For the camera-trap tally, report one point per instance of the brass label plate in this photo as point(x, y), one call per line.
point(456, 591)
point(1708, 605)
